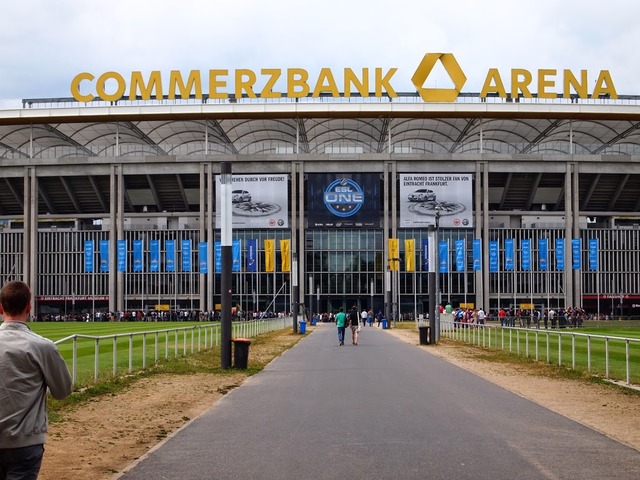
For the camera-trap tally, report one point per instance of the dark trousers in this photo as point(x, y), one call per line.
point(21, 463)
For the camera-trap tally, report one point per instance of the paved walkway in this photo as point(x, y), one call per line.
point(383, 409)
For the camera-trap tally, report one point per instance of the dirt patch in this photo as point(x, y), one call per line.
point(100, 438)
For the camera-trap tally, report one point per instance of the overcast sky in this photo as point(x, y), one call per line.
point(45, 43)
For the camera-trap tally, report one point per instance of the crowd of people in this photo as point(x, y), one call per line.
point(570, 317)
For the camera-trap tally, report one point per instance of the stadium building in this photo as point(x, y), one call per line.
point(340, 184)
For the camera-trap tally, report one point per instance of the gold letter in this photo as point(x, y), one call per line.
point(493, 83)
point(571, 81)
point(267, 91)
point(330, 87)
point(214, 84)
point(175, 82)
point(155, 81)
point(520, 85)
point(350, 78)
point(543, 83)
point(117, 95)
point(246, 85)
point(297, 77)
point(75, 87)
point(384, 82)
point(604, 85)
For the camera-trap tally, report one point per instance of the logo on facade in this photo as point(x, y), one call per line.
point(344, 197)
point(452, 68)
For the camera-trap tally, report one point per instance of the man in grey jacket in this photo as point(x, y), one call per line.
point(29, 364)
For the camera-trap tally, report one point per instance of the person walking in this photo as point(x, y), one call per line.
point(341, 323)
point(354, 321)
point(30, 364)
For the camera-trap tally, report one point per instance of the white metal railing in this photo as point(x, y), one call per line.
point(180, 341)
point(616, 358)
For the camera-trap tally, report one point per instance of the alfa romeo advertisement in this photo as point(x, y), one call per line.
point(422, 195)
point(257, 201)
point(343, 200)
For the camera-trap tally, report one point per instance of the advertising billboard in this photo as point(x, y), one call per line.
point(424, 194)
point(257, 201)
point(343, 200)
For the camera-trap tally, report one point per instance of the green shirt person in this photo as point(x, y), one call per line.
point(341, 320)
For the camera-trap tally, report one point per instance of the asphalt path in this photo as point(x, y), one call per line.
point(383, 409)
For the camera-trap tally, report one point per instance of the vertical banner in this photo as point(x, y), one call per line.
point(559, 253)
point(593, 254)
point(493, 256)
point(269, 255)
point(186, 255)
point(425, 254)
point(285, 255)
point(410, 254)
point(236, 255)
point(217, 253)
point(509, 254)
point(137, 255)
point(576, 247)
point(394, 254)
point(443, 256)
point(543, 254)
point(154, 255)
point(104, 255)
point(252, 255)
point(122, 255)
point(525, 253)
point(203, 252)
point(477, 254)
point(460, 260)
point(170, 255)
point(88, 256)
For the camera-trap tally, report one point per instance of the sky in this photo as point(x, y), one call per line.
point(45, 44)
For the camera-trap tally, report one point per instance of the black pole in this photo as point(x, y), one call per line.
point(295, 292)
point(433, 306)
point(226, 277)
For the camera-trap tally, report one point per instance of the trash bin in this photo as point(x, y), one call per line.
point(313, 321)
point(424, 334)
point(241, 352)
point(303, 327)
point(384, 323)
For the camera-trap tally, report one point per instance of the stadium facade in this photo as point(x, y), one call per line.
point(109, 200)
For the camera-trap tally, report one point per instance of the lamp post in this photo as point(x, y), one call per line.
point(435, 323)
point(295, 291)
point(225, 242)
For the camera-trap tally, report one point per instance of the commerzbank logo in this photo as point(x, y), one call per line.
point(451, 66)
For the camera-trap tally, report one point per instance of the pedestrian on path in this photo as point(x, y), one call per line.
point(354, 321)
point(341, 322)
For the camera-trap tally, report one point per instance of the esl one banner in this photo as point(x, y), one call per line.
point(257, 201)
point(343, 200)
point(421, 195)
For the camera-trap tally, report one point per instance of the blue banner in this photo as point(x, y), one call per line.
point(88, 256)
point(186, 255)
point(493, 256)
point(425, 254)
point(104, 255)
point(170, 255)
point(217, 249)
point(543, 254)
point(460, 263)
point(252, 255)
point(576, 257)
point(443, 256)
point(509, 254)
point(593, 254)
point(477, 254)
point(559, 253)
point(525, 252)
point(122, 255)
point(203, 252)
point(137, 255)
point(236, 249)
point(154, 255)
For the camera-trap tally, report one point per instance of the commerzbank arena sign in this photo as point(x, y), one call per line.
point(367, 82)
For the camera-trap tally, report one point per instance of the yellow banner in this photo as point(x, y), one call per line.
point(285, 255)
point(394, 254)
point(269, 255)
point(410, 254)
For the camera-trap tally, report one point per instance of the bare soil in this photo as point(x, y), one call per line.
point(99, 438)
